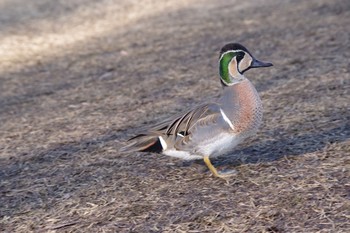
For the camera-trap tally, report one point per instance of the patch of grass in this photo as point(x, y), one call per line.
point(77, 78)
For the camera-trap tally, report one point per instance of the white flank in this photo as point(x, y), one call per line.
point(163, 143)
point(226, 119)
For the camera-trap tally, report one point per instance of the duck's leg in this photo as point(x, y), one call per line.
point(213, 169)
point(210, 166)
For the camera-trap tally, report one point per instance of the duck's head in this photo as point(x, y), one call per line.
point(234, 60)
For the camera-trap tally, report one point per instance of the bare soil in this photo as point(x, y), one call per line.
point(78, 77)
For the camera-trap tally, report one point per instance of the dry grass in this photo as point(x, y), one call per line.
point(78, 77)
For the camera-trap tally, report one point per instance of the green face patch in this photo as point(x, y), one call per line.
point(223, 66)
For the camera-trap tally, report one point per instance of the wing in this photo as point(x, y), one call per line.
point(198, 133)
point(180, 123)
point(174, 129)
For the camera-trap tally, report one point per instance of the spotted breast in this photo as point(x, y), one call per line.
point(242, 105)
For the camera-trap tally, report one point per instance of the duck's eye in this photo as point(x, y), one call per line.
point(239, 57)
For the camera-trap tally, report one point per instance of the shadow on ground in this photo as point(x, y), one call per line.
point(66, 117)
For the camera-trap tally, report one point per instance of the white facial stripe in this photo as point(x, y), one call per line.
point(226, 119)
point(163, 143)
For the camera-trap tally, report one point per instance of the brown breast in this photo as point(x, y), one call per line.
point(243, 107)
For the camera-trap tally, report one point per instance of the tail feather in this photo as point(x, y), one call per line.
point(144, 143)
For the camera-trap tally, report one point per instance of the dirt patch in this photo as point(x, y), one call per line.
point(79, 77)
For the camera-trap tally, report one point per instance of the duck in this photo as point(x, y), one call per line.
point(212, 129)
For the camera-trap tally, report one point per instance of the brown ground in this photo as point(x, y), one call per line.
point(78, 77)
